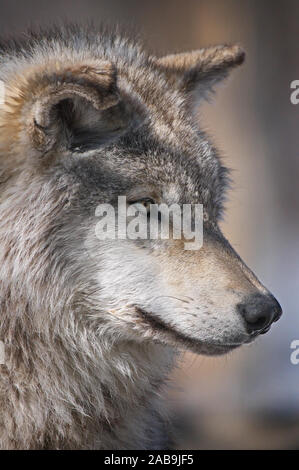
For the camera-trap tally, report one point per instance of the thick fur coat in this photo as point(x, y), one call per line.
point(91, 328)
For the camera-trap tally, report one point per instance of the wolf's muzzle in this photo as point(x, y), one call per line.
point(259, 312)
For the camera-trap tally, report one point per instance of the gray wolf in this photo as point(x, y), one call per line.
point(91, 334)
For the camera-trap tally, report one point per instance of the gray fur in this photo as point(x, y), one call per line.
point(91, 329)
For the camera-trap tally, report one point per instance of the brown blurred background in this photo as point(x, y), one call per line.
point(249, 399)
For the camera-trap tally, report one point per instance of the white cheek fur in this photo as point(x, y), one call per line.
point(130, 276)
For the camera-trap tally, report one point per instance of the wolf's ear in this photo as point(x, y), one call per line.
point(72, 108)
point(197, 72)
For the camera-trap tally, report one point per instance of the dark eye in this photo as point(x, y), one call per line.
point(146, 202)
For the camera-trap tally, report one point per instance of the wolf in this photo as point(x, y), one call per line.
point(92, 328)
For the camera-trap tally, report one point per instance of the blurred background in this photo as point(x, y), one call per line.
point(249, 399)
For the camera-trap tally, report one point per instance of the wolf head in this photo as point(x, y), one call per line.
point(88, 117)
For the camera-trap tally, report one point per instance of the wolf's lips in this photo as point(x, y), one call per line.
point(197, 345)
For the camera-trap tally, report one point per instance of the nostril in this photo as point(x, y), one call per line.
point(259, 311)
point(256, 321)
point(258, 324)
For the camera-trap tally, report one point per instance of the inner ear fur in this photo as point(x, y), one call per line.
point(58, 99)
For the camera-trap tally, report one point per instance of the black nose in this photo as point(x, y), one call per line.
point(259, 311)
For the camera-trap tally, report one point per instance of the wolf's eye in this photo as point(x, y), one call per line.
point(146, 202)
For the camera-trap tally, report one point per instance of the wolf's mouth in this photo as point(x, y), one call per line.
point(171, 332)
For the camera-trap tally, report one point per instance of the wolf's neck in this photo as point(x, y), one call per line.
point(82, 395)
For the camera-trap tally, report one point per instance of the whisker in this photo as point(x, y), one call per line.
point(173, 297)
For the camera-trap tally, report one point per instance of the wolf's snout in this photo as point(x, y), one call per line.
point(259, 312)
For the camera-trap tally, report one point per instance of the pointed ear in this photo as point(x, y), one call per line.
point(197, 72)
point(74, 107)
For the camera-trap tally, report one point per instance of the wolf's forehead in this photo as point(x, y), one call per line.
point(176, 173)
